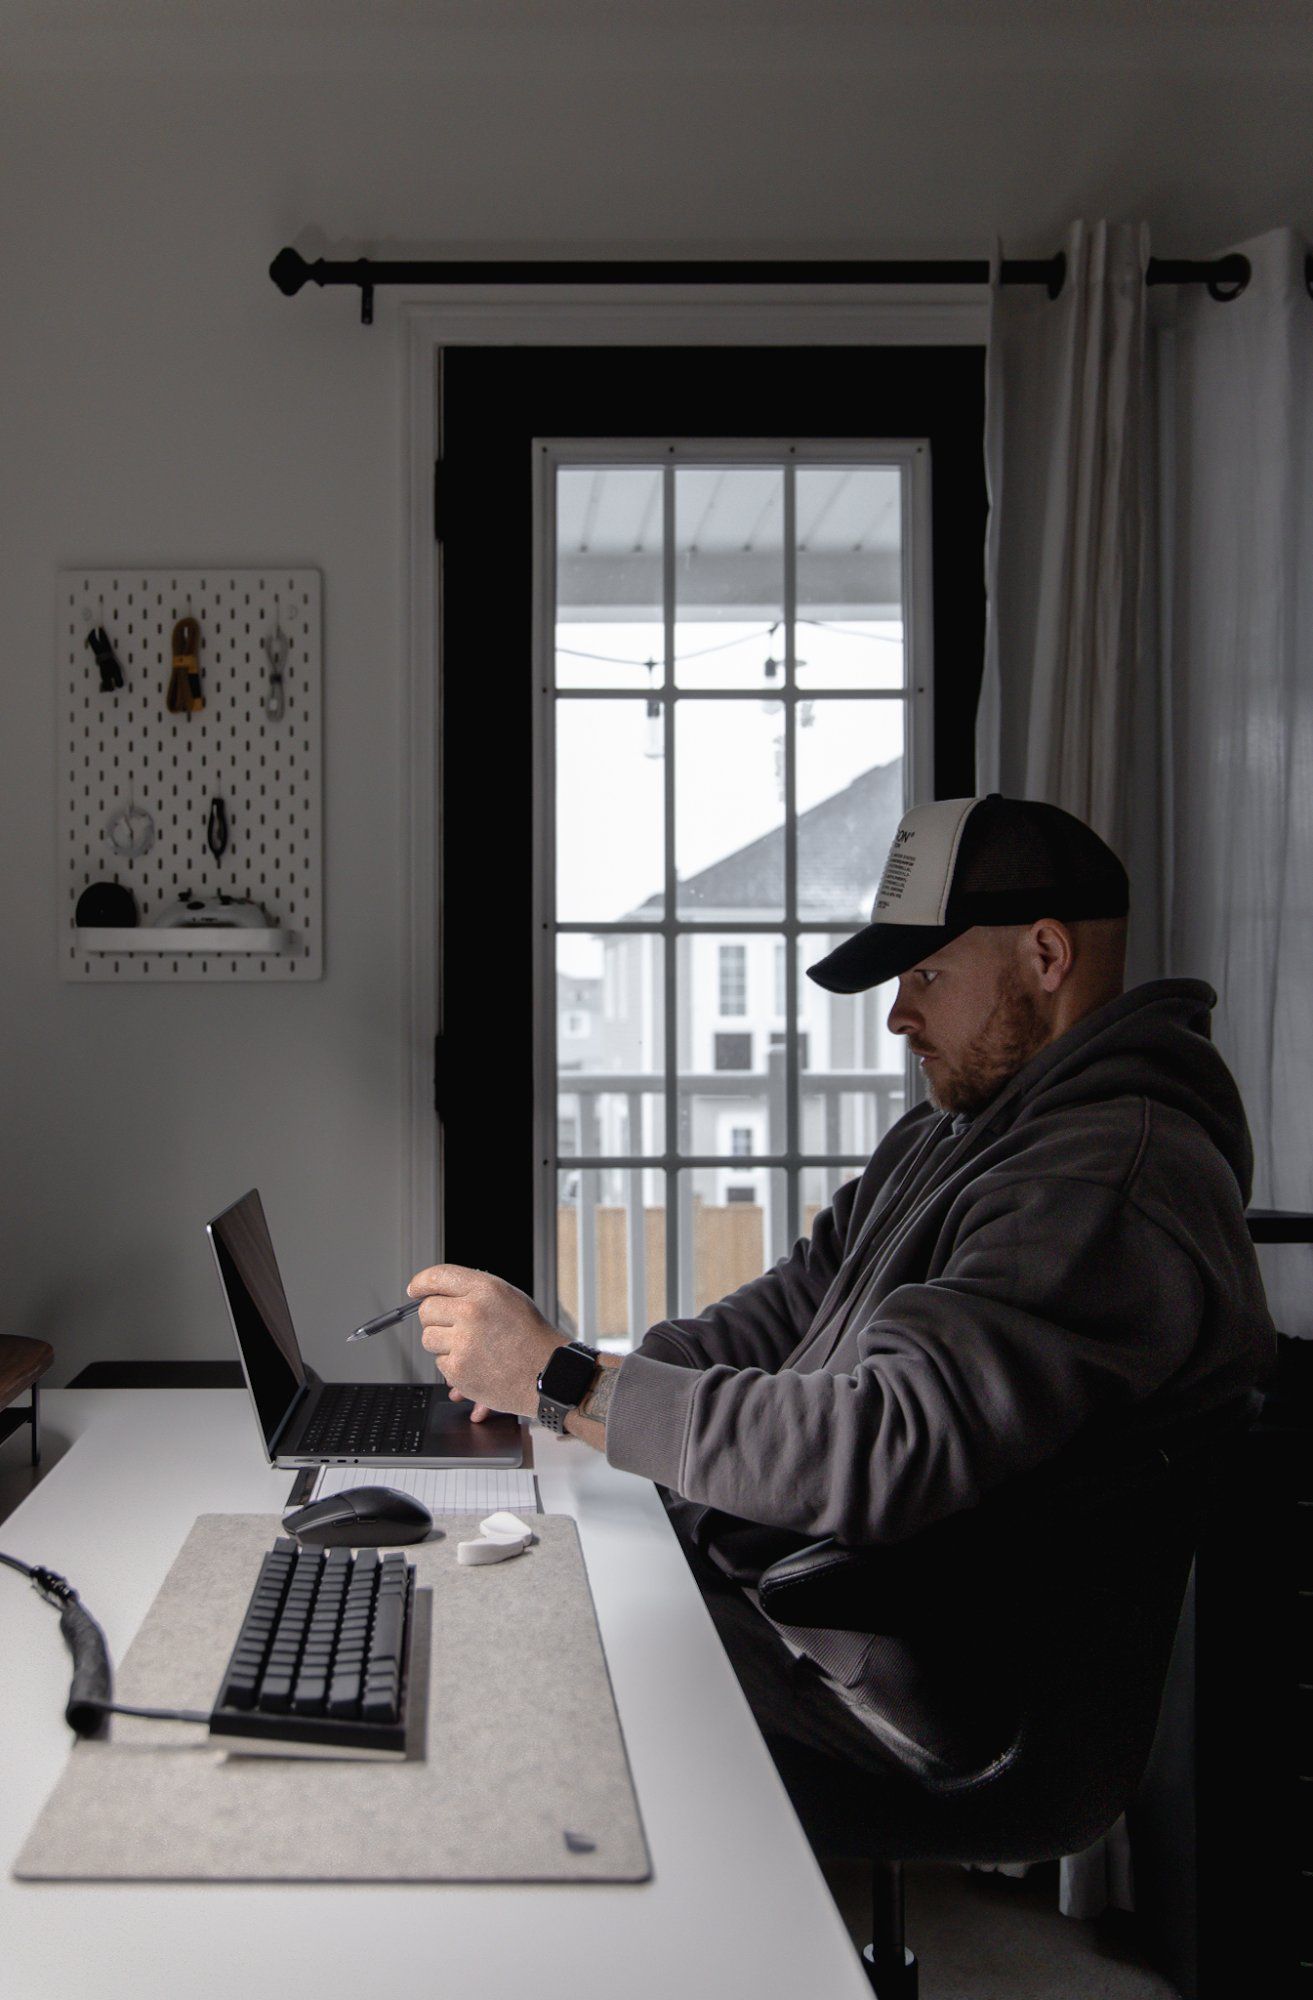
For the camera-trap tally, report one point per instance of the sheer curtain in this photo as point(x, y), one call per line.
point(1149, 660)
point(1069, 682)
point(1237, 395)
point(1069, 709)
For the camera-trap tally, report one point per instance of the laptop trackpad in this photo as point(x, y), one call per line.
point(498, 1440)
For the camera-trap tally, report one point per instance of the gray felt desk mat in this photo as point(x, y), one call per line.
point(495, 1778)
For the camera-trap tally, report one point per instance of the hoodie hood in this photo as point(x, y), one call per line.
point(1154, 1042)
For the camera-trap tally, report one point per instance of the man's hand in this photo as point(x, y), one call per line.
point(489, 1339)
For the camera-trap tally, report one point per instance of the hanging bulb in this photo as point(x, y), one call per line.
point(654, 732)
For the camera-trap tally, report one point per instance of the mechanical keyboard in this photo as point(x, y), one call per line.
point(369, 1420)
point(322, 1661)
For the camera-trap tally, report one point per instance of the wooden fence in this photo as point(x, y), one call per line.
point(728, 1250)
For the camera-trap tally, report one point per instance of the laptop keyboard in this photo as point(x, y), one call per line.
point(322, 1659)
point(367, 1420)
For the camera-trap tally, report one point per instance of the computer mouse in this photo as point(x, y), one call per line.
point(363, 1517)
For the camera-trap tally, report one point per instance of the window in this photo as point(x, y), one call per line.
point(733, 978)
point(510, 411)
point(733, 669)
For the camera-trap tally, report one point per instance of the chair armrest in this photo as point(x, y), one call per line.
point(890, 1588)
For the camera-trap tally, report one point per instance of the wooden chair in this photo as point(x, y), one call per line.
point(22, 1364)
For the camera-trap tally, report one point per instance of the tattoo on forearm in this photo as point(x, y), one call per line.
point(597, 1401)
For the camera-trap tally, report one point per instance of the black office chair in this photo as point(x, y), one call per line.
point(1053, 1606)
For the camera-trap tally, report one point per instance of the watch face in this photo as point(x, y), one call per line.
point(566, 1377)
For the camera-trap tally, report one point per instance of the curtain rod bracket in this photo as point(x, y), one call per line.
point(1234, 271)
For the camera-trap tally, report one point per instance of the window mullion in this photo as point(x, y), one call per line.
point(792, 1121)
point(672, 1145)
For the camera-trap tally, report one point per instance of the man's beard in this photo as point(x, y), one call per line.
point(1014, 1031)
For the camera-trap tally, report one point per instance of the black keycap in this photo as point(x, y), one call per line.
point(385, 1641)
point(276, 1694)
point(344, 1695)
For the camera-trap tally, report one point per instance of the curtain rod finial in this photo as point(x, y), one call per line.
point(289, 271)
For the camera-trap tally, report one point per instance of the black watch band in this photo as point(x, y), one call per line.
point(564, 1383)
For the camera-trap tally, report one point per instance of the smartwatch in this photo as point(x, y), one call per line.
point(564, 1383)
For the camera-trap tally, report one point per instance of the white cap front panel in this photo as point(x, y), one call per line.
point(919, 872)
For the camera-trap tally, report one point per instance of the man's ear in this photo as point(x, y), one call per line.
point(1051, 952)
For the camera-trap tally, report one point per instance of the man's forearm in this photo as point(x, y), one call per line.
point(588, 1422)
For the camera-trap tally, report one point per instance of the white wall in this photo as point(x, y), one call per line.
point(159, 401)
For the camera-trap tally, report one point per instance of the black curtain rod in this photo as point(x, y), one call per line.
point(1225, 277)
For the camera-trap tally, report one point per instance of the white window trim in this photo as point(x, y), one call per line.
point(748, 316)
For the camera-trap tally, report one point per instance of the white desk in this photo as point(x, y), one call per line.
point(736, 1907)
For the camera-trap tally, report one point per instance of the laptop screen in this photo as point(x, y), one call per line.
point(248, 1272)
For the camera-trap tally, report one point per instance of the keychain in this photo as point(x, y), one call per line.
point(111, 673)
point(130, 830)
point(216, 831)
point(184, 695)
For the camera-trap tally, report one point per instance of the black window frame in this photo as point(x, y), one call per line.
point(493, 403)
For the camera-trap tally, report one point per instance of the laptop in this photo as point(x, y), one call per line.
point(304, 1421)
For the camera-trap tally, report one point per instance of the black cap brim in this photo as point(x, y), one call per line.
point(880, 952)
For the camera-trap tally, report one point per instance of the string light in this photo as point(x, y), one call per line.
point(724, 645)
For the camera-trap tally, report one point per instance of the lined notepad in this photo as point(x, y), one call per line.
point(459, 1490)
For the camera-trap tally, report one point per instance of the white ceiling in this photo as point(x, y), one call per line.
point(616, 510)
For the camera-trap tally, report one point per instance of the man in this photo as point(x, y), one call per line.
point(1049, 1258)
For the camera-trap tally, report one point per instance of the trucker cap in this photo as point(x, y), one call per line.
point(962, 862)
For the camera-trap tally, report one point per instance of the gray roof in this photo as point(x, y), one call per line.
point(842, 844)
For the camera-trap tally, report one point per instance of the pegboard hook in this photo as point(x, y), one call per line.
point(277, 645)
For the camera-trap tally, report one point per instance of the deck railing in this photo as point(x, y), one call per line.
point(699, 1260)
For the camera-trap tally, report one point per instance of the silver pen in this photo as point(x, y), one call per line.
point(373, 1326)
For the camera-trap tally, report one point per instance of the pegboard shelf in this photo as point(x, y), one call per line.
point(218, 795)
point(210, 938)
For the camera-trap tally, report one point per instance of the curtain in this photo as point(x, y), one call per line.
point(1237, 389)
point(1069, 703)
point(1149, 661)
point(1070, 687)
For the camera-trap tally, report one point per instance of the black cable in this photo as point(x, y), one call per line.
point(88, 1697)
point(154, 1714)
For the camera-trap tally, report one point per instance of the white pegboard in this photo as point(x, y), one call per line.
point(126, 747)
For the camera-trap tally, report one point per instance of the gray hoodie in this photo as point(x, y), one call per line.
point(1071, 1265)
